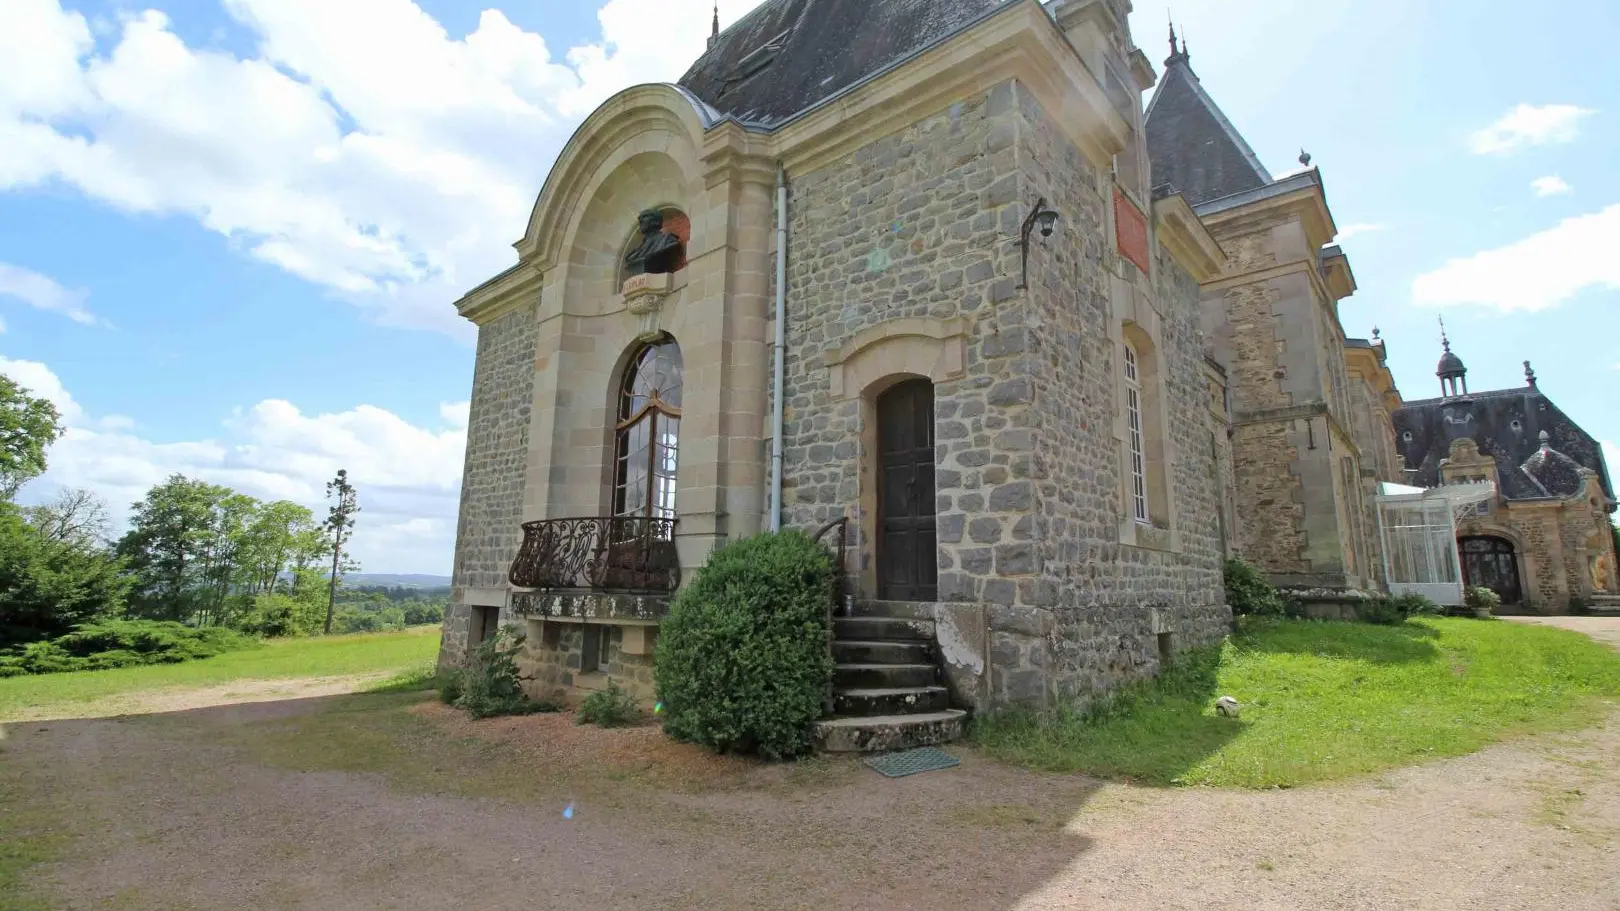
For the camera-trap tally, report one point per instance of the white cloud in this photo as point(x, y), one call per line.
point(1535, 273)
point(409, 477)
point(1360, 227)
point(455, 414)
point(361, 147)
point(43, 293)
point(1529, 125)
point(1551, 185)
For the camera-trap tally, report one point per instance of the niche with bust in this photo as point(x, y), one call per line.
point(659, 246)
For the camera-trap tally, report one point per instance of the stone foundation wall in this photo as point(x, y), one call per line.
point(488, 532)
point(553, 656)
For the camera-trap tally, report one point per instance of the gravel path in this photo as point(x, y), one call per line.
point(340, 803)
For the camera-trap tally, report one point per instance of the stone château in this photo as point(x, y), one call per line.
point(1047, 357)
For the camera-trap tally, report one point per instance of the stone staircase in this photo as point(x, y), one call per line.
point(887, 689)
point(1605, 605)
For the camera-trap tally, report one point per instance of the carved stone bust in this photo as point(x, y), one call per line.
point(658, 253)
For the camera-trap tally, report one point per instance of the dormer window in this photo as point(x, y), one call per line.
point(760, 57)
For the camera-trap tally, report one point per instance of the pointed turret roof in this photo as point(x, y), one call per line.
point(1191, 144)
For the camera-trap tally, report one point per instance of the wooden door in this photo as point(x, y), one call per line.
point(1489, 562)
point(907, 568)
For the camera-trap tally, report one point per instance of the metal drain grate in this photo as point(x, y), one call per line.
point(910, 762)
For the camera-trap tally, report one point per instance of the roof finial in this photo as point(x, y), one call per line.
point(1444, 342)
point(1529, 375)
point(714, 36)
point(1304, 158)
point(1178, 52)
point(1546, 441)
point(1376, 333)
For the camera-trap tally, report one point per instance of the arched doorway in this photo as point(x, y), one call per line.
point(1490, 562)
point(906, 562)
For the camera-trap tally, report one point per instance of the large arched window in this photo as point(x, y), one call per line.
point(647, 445)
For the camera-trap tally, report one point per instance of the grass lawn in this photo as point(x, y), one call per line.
point(1323, 701)
point(333, 656)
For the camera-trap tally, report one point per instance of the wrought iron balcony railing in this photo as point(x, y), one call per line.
point(633, 554)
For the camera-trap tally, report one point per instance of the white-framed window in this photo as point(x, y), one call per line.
point(1138, 455)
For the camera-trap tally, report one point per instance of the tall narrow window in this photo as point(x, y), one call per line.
point(647, 449)
point(1133, 416)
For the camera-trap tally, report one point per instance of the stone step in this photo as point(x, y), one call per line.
point(850, 651)
point(894, 610)
point(883, 676)
point(882, 629)
point(883, 733)
point(905, 700)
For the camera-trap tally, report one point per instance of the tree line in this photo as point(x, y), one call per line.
point(196, 553)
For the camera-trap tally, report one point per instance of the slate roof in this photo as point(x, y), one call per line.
point(788, 56)
point(1191, 144)
point(1488, 419)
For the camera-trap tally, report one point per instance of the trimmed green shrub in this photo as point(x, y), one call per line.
point(123, 643)
point(490, 684)
point(742, 662)
point(608, 708)
point(1249, 593)
point(1482, 599)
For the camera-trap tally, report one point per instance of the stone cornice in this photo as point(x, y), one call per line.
point(1341, 282)
point(501, 295)
point(1180, 231)
point(1295, 413)
point(1324, 297)
point(1021, 42)
point(1304, 201)
point(731, 153)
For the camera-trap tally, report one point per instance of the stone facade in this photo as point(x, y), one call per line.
point(553, 663)
point(910, 234)
point(1302, 486)
point(492, 480)
point(904, 261)
point(1562, 548)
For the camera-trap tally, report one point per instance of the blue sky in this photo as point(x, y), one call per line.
point(231, 231)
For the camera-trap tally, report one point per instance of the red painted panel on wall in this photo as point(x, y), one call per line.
point(1130, 225)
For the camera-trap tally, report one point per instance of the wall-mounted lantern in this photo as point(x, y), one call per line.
point(1042, 216)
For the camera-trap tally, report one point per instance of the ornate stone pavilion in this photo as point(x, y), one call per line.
point(924, 277)
point(994, 382)
point(1543, 542)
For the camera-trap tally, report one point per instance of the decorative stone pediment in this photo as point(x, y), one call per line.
point(917, 346)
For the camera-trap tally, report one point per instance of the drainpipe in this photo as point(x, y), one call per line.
point(781, 347)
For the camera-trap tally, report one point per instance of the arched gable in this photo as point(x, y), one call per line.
point(644, 120)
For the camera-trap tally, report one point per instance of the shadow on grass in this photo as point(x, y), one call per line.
point(1406, 642)
point(1153, 732)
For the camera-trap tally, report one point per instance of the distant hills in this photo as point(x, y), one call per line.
point(390, 580)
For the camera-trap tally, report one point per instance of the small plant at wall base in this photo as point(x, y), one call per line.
point(490, 685)
point(1482, 601)
point(742, 659)
point(608, 708)
point(1249, 593)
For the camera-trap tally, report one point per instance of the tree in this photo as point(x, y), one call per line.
point(277, 535)
point(28, 426)
point(48, 585)
point(339, 525)
point(74, 517)
point(171, 542)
